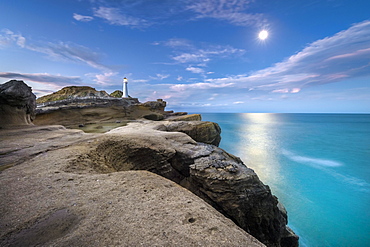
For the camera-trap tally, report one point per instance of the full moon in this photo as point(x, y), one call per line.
point(263, 35)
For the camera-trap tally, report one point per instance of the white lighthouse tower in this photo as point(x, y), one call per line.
point(125, 89)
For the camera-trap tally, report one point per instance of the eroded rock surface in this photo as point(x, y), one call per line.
point(201, 131)
point(17, 104)
point(190, 117)
point(219, 178)
point(45, 202)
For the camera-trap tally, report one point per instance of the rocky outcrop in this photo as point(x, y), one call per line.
point(190, 117)
point(17, 104)
point(200, 131)
point(44, 202)
point(154, 116)
point(116, 94)
point(219, 178)
point(75, 111)
point(71, 92)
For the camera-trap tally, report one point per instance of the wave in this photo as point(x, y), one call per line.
point(310, 161)
point(326, 166)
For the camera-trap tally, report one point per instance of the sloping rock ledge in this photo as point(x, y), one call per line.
point(47, 199)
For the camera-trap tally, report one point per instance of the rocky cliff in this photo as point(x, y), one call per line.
point(74, 106)
point(45, 202)
point(176, 150)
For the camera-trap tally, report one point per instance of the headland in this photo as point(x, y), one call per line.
point(159, 180)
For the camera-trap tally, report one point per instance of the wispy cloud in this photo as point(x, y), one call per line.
point(114, 16)
point(82, 18)
point(204, 55)
point(44, 78)
point(232, 11)
point(195, 70)
point(342, 56)
point(332, 59)
point(195, 57)
point(199, 85)
point(159, 76)
point(147, 13)
point(105, 79)
point(8, 38)
point(64, 51)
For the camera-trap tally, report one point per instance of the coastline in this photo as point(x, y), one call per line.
point(175, 149)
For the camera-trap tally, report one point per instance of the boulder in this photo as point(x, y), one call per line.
point(17, 104)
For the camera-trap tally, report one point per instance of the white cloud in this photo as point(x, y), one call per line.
point(195, 70)
point(82, 18)
point(232, 11)
point(160, 76)
point(43, 78)
point(115, 17)
point(205, 55)
point(140, 80)
point(8, 38)
point(332, 59)
point(200, 85)
point(177, 43)
point(72, 52)
point(64, 51)
point(105, 78)
point(190, 58)
point(213, 97)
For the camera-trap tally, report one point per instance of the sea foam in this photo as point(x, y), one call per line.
point(325, 165)
point(310, 161)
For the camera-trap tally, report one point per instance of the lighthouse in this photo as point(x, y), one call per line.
point(125, 89)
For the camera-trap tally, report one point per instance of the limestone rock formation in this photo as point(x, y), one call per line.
point(44, 202)
point(75, 111)
point(72, 91)
point(219, 178)
point(86, 213)
point(185, 117)
point(17, 104)
point(200, 131)
point(158, 105)
point(154, 116)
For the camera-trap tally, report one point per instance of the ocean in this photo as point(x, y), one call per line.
point(318, 165)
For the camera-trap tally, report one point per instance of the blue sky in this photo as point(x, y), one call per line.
point(200, 56)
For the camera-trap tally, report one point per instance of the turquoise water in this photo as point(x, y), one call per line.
point(318, 165)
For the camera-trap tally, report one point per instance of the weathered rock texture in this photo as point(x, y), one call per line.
point(76, 111)
point(200, 131)
point(219, 178)
point(48, 199)
point(185, 117)
point(53, 198)
point(17, 104)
